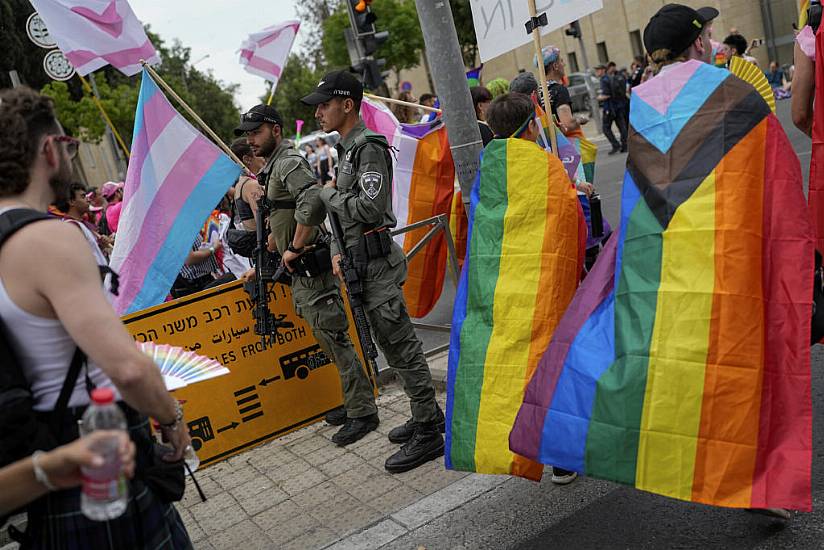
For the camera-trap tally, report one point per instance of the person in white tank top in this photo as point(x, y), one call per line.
point(51, 300)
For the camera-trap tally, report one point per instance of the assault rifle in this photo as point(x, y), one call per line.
point(267, 324)
point(354, 291)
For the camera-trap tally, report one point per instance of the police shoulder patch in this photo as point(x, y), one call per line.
point(371, 183)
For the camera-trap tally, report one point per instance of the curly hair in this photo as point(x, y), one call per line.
point(25, 117)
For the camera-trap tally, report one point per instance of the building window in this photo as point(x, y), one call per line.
point(573, 62)
point(603, 56)
point(637, 45)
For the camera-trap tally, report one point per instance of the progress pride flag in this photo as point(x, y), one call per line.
point(265, 53)
point(95, 33)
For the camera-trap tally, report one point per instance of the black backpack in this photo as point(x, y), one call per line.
point(618, 87)
point(24, 430)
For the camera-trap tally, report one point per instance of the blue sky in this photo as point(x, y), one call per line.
point(216, 28)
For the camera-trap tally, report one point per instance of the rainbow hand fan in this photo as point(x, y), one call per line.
point(748, 72)
point(180, 367)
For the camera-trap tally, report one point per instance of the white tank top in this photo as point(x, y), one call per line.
point(45, 350)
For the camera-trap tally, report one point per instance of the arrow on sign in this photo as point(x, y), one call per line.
point(231, 426)
point(267, 381)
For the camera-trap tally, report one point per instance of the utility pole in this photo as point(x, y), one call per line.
point(449, 76)
point(120, 164)
point(574, 31)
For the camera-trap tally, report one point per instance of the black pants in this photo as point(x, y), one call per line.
point(619, 117)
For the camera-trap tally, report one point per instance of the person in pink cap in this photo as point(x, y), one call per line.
point(113, 193)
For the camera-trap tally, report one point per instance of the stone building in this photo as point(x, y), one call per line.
point(615, 34)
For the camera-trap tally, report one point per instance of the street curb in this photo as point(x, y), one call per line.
point(438, 365)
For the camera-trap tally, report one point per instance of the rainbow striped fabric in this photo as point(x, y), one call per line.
point(682, 366)
point(423, 187)
point(176, 177)
point(524, 259)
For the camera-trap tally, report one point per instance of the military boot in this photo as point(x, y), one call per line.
point(355, 429)
point(336, 417)
point(426, 444)
point(404, 432)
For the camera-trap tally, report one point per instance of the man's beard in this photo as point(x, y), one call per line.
point(61, 180)
point(267, 148)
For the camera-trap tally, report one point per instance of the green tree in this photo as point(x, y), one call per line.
point(312, 14)
point(17, 52)
point(403, 48)
point(299, 78)
point(462, 14)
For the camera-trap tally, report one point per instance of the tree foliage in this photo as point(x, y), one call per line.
point(402, 50)
point(299, 78)
point(312, 14)
point(17, 52)
point(462, 14)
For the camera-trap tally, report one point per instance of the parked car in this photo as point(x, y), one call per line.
point(578, 92)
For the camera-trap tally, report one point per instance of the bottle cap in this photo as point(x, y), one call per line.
point(102, 396)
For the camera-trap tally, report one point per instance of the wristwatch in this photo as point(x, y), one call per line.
point(177, 420)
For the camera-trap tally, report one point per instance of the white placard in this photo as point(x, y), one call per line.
point(499, 24)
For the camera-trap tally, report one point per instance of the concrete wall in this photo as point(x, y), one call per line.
point(614, 24)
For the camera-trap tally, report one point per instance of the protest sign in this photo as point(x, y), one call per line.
point(499, 24)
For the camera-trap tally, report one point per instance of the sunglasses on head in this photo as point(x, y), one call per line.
point(71, 143)
point(258, 117)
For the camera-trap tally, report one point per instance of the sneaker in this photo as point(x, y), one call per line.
point(563, 477)
point(403, 433)
point(614, 151)
point(355, 429)
point(336, 417)
point(777, 513)
point(426, 444)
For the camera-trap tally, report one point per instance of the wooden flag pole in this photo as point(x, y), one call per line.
point(404, 103)
point(536, 39)
point(105, 115)
point(209, 131)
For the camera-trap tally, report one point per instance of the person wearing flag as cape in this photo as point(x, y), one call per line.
point(296, 213)
point(361, 197)
point(682, 366)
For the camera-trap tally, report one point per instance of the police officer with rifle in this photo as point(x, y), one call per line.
point(294, 214)
point(359, 202)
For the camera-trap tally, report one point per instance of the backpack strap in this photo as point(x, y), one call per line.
point(13, 220)
point(57, 416)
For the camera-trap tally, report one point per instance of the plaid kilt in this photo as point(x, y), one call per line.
point(55, 521)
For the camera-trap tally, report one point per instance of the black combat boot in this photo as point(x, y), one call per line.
point(426, 444)
point(355, 429)
point(336, 417)
point(403, 433)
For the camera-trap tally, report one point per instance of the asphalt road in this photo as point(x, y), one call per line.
point(601, 515)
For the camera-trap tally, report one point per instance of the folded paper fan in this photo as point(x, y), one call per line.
point(748, 72)
point(180, 367)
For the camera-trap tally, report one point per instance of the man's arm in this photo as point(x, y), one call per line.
point(803, 91)
point(367, 201)
point(65, 273)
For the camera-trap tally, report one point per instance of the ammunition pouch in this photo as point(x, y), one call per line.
point(373, 244)
point(315, 261)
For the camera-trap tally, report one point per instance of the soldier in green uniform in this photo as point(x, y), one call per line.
point(296, 213)
point(361, 196)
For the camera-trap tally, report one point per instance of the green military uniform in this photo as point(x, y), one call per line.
point(287, 177)
point(363, 201)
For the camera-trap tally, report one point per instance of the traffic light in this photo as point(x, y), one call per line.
point(363, 41)
point(574, 30)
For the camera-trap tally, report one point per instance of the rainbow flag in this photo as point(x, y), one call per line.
point(175, 178)
point(423, 183)
point(523, 263)
point(682, 366)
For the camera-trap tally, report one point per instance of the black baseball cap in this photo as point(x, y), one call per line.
point(335, 84)
point(675, 26)
point(256, 116)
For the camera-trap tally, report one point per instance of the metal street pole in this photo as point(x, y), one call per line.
point(449, 76)
point(593, 100)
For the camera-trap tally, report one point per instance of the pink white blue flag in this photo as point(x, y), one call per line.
point(95, 33)
point(176, 177)
point(265, 53)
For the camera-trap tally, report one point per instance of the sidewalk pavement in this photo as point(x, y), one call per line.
point(303, 492)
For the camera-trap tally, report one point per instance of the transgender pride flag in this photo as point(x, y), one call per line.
point(265, 53)
point(176, 177)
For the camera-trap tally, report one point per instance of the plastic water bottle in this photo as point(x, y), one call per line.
point(105, 493)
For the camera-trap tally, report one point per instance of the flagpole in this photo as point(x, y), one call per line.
point(536, 40)
point(105, 115)
point(404, 103)
point(271, 93)
point(209, 131)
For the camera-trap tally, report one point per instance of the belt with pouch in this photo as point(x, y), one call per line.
point(374, 244)
point(316, 260)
